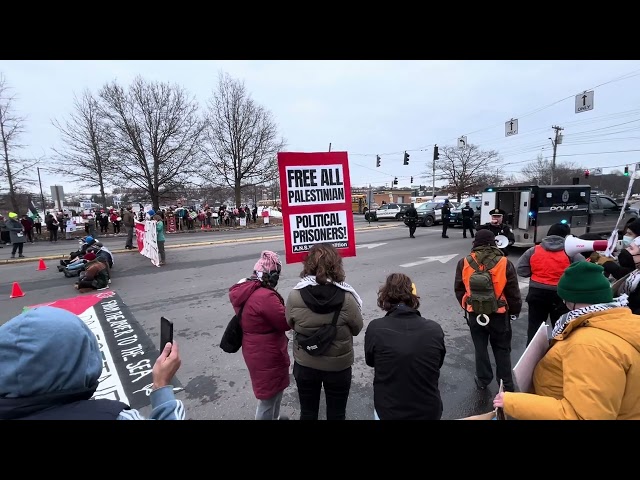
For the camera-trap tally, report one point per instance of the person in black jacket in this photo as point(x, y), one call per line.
point(498, 227)
point(407, 352)
point(467, 219)
point(446, 212)
point(411, 220)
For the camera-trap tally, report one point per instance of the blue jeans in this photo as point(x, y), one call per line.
point(269, 409)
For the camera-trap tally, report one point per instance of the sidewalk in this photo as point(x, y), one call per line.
point(45, 250)
point(115, 243)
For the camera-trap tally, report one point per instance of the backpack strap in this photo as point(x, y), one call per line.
point(473, 264)
point(336, 314)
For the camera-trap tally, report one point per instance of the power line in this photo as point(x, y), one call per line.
point(626, 76)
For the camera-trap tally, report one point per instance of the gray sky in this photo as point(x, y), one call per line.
point(379, 107)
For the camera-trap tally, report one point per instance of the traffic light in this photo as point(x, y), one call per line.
point(406, 158)
point(377, 160)
point(626, 171)
point(586, 174)
point(411, 180)
point(436, 154)
point(395, 180)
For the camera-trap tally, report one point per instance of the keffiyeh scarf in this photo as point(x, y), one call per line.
point(565, 319)
point(310, 281)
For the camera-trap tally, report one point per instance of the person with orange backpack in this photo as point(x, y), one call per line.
point(486, 285)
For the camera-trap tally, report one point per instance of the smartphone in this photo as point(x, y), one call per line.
point(166, 332)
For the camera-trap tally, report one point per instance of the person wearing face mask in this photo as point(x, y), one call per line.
point(591, 370)
point(264, 341)
point(629, 257)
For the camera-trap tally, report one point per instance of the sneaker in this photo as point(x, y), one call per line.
point(21, 256)
point(283, 417)
point(13, 255)
point(478, 384)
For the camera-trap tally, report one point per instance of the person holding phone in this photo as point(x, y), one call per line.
point(264, 341)
point(51, 363)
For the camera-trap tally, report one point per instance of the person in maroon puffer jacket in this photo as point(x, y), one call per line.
point(264, 341)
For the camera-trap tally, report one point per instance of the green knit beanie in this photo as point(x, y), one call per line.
point(584, 282)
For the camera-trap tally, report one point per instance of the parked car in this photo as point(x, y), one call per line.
point(390, 211)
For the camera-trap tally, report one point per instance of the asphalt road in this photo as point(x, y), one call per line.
point(192, 289)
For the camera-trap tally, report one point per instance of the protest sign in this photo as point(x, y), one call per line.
point(315, 191)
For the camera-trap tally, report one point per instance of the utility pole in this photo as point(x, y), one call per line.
point(433, 178)
point(554, 143)
point(41, 194)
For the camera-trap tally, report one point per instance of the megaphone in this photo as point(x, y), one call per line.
point(573, 245)
point(502, 241)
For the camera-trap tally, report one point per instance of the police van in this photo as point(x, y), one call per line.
point(531, 210)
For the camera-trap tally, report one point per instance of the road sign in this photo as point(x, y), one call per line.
point(511, 127)
point(584, 102)
point(462, 142)
point(596, 171)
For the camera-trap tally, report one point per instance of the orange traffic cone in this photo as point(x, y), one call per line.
point(41, 265)
point(16, 291)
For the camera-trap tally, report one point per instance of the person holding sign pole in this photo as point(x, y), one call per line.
point(592, 368)
point(325, 313)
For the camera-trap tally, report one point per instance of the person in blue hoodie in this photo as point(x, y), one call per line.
point(51, 363)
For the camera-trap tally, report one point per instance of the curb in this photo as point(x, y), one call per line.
point(181, 245)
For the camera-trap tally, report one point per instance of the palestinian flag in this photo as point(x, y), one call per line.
point(33, 211)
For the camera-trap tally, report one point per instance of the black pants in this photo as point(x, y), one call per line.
point(18, 247)
point(412, 227)
point(467, 224)
point(38, 227)
point(445, 225)
point(542, 304)
point(336, 389)
point(498, 332)
point(53, 235)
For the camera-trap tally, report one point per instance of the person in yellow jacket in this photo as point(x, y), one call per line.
point(592, 368)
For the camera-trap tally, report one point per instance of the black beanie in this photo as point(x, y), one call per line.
point(559, 229)
point(484, 237)
point(635, 227)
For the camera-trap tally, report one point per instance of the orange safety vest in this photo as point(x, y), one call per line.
point(498, 275)
point(547, 267)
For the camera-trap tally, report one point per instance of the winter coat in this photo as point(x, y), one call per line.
point(264, 342)
point(16, 230)
point(307, 318)
point(591, 371)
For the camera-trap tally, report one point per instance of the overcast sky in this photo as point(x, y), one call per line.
point(379, 107)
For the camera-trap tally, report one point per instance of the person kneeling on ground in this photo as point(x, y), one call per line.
point(95, 276)
point(51, 363)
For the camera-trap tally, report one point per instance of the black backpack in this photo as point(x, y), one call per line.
point(232, 337)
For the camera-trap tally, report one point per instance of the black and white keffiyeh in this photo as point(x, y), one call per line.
point(565, 319)
point(310, 281)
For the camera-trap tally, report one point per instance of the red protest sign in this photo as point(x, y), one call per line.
point(315, 194)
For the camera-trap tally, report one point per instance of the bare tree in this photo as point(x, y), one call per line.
point(242, 137)
point(155, 135)
point(538, 172)
point(86, 152)
point(16, 170)
point(465, 169)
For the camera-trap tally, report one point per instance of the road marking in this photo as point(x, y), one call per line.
point(370, 245)
point(441, 259)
